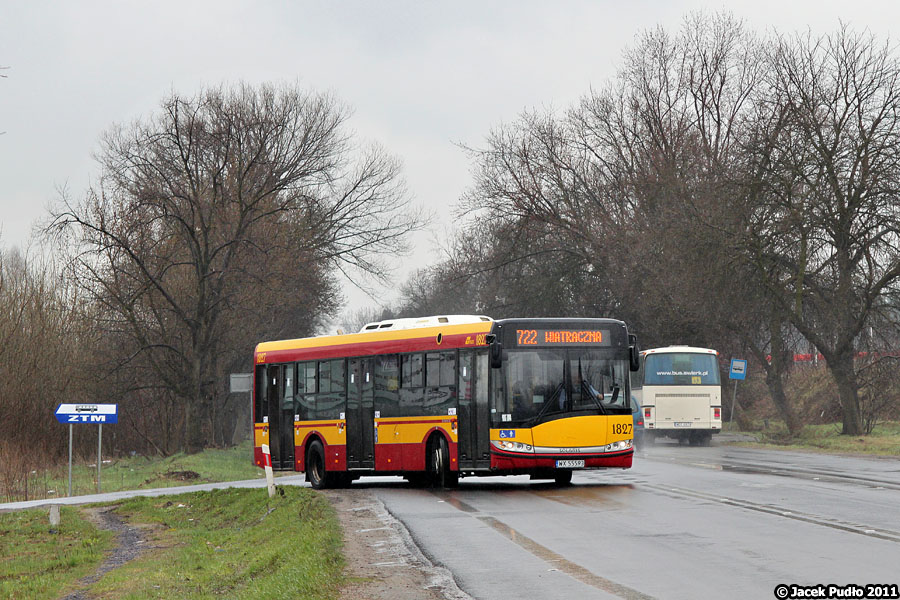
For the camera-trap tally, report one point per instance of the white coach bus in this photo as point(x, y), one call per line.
point(682, 394)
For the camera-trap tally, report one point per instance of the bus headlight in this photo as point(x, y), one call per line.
point(512, 446)
point(618, 446)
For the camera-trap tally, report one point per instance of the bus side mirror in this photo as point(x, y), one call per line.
point(634, 353)
point(496, 351)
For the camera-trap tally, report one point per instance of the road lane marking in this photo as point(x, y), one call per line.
point(866, 530)
point(556, 561)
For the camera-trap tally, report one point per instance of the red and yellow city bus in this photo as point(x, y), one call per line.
point(436, 398)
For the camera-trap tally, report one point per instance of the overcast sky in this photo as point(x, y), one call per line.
point(419, 76)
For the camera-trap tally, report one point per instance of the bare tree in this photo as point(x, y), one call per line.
point(209, 210)
point(823, 218)
point(632, 185)
point(45, 343)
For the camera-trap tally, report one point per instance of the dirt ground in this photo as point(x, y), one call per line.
point(383, 563)
point(130, 542)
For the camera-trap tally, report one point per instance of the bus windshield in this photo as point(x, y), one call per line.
point(553, 381)
point(681, 368)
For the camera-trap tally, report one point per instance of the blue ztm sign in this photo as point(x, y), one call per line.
point(87, 413)
point(88, 419)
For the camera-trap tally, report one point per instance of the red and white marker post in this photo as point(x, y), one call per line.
point(267, 464)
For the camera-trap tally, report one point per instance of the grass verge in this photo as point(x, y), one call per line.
point(35, 563)
point(883, 441)
point(137, 472)
point(234, 543)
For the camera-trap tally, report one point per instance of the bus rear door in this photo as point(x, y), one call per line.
point(280, 396)
point(360, 415)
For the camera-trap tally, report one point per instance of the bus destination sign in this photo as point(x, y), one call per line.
point(562, 337)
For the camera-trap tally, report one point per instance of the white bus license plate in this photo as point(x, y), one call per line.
point(570, 464)
point(682, 423)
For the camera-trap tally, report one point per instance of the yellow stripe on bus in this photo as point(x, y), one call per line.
point(260, 434)
point(332, 431)
point(399, 430)
point(586, 431)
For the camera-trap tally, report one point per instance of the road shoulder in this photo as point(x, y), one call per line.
point(383, 563)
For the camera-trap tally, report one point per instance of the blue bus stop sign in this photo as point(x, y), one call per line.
point(738, 369)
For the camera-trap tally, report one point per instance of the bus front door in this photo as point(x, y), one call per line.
point(280, 398)
point(474, 450)
point(360, 414)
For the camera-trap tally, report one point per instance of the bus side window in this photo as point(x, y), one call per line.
point(448, 368)
point(498, 398)
point(306, 390)
point(331, 399)
point(412, 392)
point(324, 376)
point(290, 380)
point(411, 371)
point(259, 401)
point(387, 383)
point(338, 377)
point(440, 382)
point(432, 369)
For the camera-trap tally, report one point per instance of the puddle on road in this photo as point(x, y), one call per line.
point(597, 496)
point(744, 470)
point(456, 502)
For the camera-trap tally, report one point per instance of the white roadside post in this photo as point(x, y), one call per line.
point(267, 463)
point(54, 517)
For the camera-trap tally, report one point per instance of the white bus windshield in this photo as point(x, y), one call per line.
point(681, 368)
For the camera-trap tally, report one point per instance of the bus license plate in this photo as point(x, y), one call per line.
point(570, 464)
point(682, 423)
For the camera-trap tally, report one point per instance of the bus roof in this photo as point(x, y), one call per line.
point(426, 337)
point(417, 322)
point(680, 350)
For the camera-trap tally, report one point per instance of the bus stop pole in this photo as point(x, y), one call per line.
point(70, 460)
point(99, 442)
point(733, 397)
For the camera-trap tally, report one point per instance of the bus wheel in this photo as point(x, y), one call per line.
point(441, 475)
point(315, 466)
point(563, 477)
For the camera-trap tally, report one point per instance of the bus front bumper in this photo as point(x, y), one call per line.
point(525, 463)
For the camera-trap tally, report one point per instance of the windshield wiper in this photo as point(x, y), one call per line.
point(586, 389)
point(544, 409)
point(615, 393)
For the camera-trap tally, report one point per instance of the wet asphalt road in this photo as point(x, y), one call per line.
point(684, 522)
